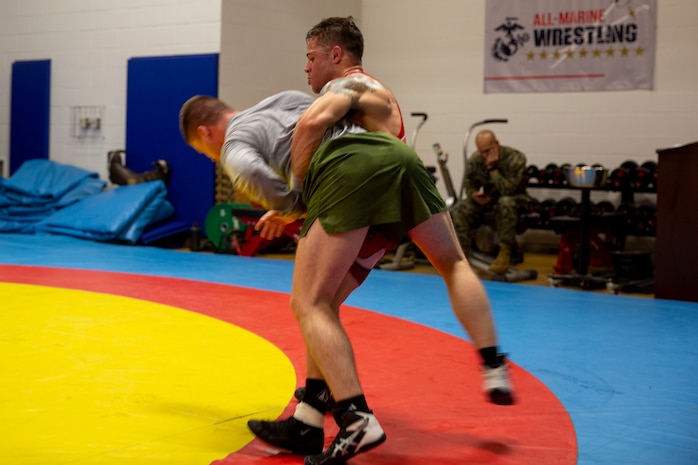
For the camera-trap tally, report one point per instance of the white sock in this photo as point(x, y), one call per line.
point(309, 415)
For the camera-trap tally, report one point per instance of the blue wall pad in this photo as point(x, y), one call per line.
point(30, 111)
point(156, 89)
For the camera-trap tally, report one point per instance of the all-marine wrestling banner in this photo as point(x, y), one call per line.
point(568, 46)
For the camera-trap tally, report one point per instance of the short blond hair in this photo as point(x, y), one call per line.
point(200, 110)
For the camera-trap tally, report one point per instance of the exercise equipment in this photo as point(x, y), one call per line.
point(532, 175)
point(584, 178)
point(602, 207)
point(652, 166)
point(566, 206)
point(546, 209)
point(442, 159)
point(230, 229)
point(252, 243)
point(562, 179)
point(402, 259)
point(592, 232)
point(551, 174)
point(222, 227)
point(535, 218)
point(638, 219)
point(630, 176)
point(644, 177)
point(646, 222)
point(619, 178)
point(628, 215)
point(404, 256)
point(633, 272)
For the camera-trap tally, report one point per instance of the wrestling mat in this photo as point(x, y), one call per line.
point(112, 368)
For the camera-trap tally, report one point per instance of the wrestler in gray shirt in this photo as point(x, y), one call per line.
point(256, 154)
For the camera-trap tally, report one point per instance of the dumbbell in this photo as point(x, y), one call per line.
point(602, 207)
point(552, 174)
point(566, 206)
point(652, 166)
point(646, 219)
point(546, 210)
point(644, 176)
point(535, 208)
point(621, 177)
point(628, 212)
point(563, 177)
point(533, 175)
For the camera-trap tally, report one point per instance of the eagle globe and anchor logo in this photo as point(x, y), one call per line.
point(513, 39)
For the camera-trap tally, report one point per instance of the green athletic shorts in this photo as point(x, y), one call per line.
point(369, 179)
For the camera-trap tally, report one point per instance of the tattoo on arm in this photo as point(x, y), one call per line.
point(350, 88)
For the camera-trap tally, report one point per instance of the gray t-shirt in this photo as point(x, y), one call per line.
point(256, 154)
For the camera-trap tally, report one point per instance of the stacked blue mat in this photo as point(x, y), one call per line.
point(43, 196)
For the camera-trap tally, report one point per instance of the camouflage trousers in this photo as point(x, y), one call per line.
point(468, 215)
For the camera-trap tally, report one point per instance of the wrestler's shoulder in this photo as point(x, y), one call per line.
point(356, 81)
point(288, 96)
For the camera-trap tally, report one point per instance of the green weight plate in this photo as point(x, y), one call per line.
point(220, 222)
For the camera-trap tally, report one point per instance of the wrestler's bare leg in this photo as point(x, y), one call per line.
point(321, 283)
point(348, 285)
point(437, 238)
point(321, 265)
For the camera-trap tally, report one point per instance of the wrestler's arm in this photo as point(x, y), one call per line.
point(327, 110)
point(361, 100)
point(254, 178)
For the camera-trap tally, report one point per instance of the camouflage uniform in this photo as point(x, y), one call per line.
point(506, 184)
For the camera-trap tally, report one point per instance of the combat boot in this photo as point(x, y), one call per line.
point(501, 263)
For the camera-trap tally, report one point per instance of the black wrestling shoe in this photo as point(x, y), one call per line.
point(359, 433)
point(289, 434)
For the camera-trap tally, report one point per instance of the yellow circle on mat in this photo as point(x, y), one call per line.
point(91, 378)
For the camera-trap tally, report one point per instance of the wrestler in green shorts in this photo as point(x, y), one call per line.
point(369, 179)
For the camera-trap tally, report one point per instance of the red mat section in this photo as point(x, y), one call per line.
point(423, 384)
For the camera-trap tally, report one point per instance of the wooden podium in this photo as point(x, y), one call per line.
point(676, 262)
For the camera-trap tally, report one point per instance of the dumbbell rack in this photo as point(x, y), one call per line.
point(582, 278)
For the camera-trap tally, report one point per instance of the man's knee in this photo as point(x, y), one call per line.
point(507, 203)
point(468, 215)
point(506, 211)
point(295, 304)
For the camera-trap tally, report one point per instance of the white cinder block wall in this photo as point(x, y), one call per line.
point(89, 43)
point(430, 52)
point(263, 45)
